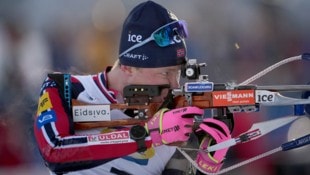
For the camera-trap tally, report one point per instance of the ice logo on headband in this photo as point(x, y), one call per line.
point(134, 38)
point(138, 39)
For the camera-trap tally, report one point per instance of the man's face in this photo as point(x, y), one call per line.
point(157, 76)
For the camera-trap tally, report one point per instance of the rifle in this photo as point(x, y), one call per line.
point(224, 99)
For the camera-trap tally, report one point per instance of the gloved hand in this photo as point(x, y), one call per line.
point(217, 131)
point(172, 126)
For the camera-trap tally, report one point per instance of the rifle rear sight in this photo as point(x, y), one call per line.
point(191, 70)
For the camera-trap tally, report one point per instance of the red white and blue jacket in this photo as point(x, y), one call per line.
point(64, 149)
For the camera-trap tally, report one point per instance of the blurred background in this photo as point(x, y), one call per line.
point(235, 38)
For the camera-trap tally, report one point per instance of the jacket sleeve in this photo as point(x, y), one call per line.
point(65, 151)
